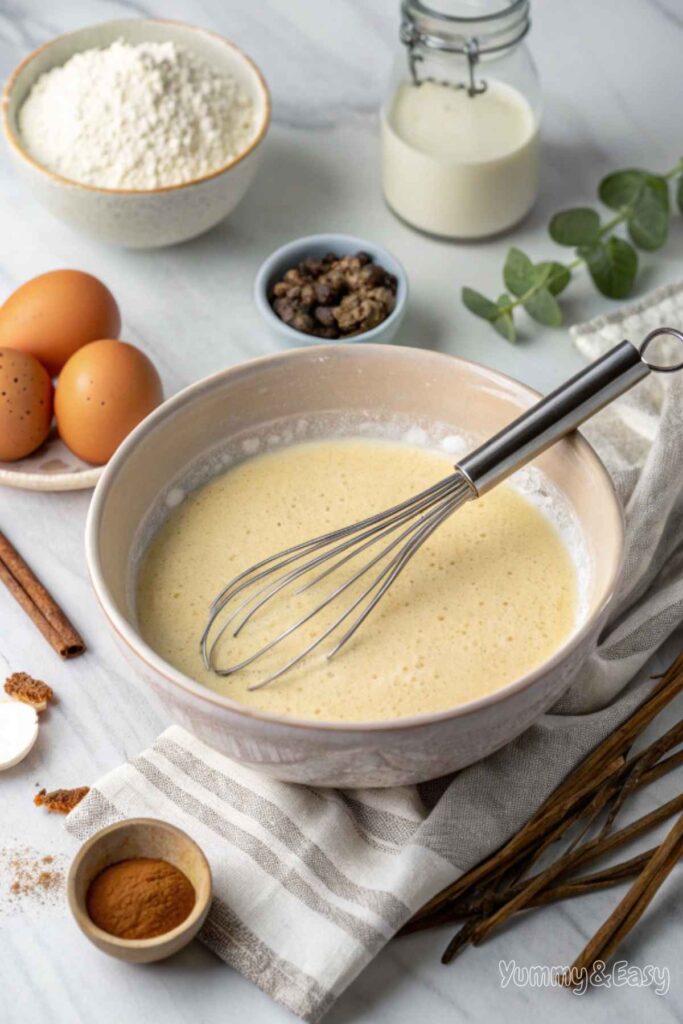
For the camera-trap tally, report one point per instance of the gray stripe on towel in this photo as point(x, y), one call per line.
point(383, 824)
point(332, 796)
point(274, 819)
point(93, 813)
point(648, 635)
point(227, 935)
point(291, 880)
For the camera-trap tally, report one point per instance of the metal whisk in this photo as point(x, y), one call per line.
point(391, 538)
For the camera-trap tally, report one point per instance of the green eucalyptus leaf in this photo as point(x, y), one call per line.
point(679, 192)
point(505, 326)
point(648, 225)
point(544, 307)
point(580, 226)
point(503, 301)
point(621, 188)
point(479, 304)
point(661, 187)
point(518, 272)
point(554, 275)
point(541, 274)
point(612, 265)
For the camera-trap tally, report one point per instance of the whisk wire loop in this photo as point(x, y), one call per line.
point(255, 573)
point(414, 519)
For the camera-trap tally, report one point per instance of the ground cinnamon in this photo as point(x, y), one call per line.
point(140, 898)
point(27, 876)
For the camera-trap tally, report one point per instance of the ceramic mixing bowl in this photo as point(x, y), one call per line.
point(182, 443)
point(155, 217)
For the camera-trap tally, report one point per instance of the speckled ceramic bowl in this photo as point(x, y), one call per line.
point(183, 440)
point(156, 217)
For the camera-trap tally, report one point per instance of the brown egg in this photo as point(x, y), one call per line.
point(25, 404)
point(104, 391)
point(55, 314)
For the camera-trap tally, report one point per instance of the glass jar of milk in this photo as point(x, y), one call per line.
point(460, 124)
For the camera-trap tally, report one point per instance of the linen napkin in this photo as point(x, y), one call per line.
point(311, 883)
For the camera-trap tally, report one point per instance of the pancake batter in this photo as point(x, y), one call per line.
point(490, 596)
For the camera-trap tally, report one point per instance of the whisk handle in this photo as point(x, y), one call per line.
point(559, 413)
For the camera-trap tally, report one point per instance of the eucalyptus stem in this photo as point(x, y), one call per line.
point(641, 201)
point(552, 279)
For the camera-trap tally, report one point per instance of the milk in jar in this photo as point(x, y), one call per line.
point(460, 127)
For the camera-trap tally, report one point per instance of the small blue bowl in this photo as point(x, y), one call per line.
point(317, 246)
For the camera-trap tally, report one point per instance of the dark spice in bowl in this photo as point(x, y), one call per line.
point(334, 297)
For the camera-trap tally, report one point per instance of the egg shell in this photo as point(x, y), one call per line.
point(53, 315)
point(104, 391)
point(25, 404)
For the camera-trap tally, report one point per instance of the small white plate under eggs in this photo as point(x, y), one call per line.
point(53, 467)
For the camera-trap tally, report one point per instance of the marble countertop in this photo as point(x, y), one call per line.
point(611, 77)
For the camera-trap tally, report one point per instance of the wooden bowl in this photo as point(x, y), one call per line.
point(139, 837)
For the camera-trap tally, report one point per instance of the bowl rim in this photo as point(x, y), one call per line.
point(15, 143)
point(135, 643)
point(354, 243)
point(78, 907)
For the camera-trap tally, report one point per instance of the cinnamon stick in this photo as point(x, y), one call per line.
point(638, 767)
point(550, 819)
point(581, 886)
point(670, 684)
point(530, 888)
point(523, 895)
point(559, 890)
point(594, 882)
point(37, 602)
point(630, 909)
point(661, 768)
point(499, 886)
point(564, 803)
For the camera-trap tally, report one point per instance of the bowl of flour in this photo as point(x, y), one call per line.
point(141, 132)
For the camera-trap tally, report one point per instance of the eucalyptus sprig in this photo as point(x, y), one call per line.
point(642, 202)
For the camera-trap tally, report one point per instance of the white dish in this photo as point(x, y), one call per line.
point(51, 468)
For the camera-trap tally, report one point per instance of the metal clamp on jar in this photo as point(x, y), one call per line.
point(460, 123)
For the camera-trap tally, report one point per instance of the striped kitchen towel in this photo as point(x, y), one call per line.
point(311, 883)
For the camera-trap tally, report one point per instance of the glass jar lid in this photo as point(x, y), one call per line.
point(470, 28)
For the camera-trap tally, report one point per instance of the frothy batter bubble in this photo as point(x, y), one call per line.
point(490, 596)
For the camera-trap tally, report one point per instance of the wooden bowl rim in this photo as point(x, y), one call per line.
point(77, 906)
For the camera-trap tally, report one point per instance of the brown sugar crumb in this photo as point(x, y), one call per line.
point(24, 687)
point(61, 801)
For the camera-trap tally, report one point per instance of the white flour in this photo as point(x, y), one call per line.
point(136, 117)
